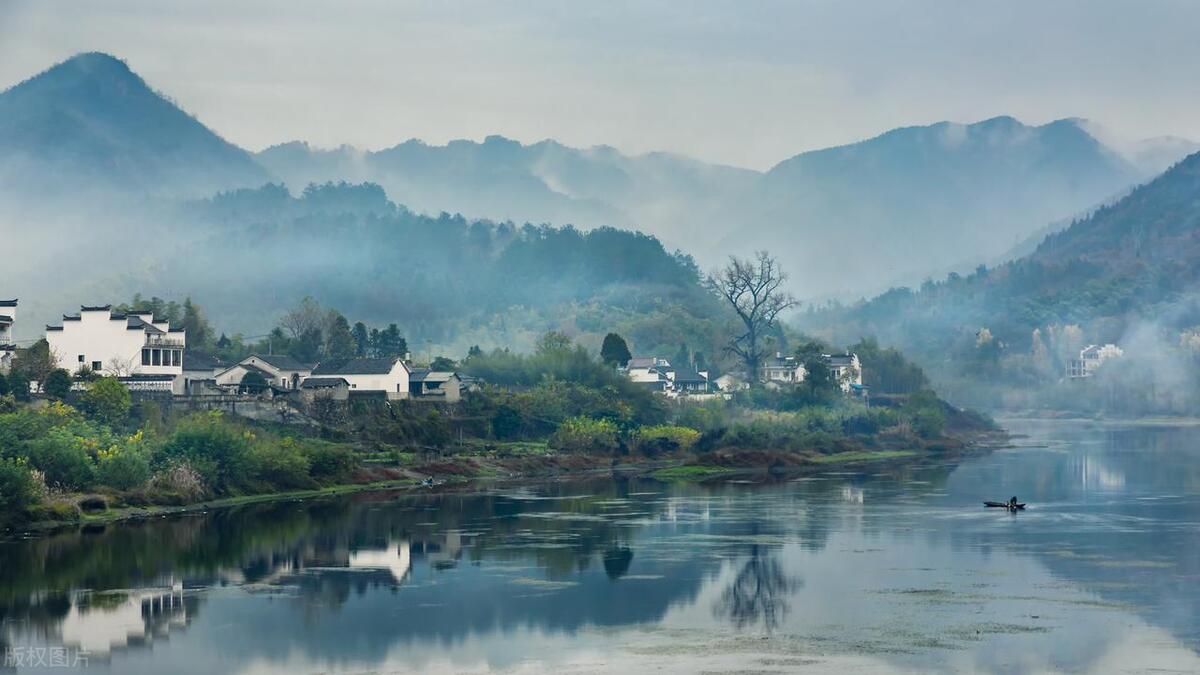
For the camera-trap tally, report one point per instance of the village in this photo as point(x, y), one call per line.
point(149, 355)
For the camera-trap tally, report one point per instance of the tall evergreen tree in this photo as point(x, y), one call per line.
point(614, 351)
point(362, 339)
point(340, 343)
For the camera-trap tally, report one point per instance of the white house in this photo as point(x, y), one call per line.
point(433, 385)
point(782, 370)
point(133, 346)
point(8, 316)
point(389, 376)
point(1092, 357)
point(649, 371)
point(846, 370)
point(280, 371)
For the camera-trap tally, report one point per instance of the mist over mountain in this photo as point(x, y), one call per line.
point(1125, 273)
point(90, 125)
point(97, 152)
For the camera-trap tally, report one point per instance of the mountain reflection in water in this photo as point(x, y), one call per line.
point(886, 569)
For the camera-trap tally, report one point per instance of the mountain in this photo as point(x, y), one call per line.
point(1128, 273)
point(91, 124)
point(892, 208)
point(545, 182)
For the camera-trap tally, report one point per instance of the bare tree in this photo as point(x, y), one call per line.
point(307, 317)
point(119, 367)
point(754, 289)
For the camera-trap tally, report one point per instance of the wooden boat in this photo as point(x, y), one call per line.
point(1004, 505)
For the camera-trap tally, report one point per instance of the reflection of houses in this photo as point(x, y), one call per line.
point(1092, 357)
point(394, 557)
point(279, 371)
point(433, 385)
point(657, 374)
point(8, 315)
point(99, 623)
point(144, 352)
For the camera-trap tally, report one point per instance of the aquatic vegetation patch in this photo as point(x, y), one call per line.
point(690, 472)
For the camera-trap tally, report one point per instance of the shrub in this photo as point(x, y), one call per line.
point(584, 434)
point(279, 464)
point(106, 400)
point(18, 487)
point(18, 385)
point(179, 478)
point(122, 467)
point(215, 449)
point(63, 458)
point(329, 463)
point(57, 384)
point(3, 385)
point(664, 438)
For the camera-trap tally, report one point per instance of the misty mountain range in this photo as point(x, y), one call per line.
point(88, 142)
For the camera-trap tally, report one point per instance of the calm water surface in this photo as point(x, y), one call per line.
point(878, 571)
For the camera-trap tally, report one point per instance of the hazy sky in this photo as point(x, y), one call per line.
point(745, 83)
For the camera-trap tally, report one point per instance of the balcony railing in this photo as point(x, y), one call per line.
point(164, 341)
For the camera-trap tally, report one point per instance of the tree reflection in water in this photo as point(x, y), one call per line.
point(759, 592)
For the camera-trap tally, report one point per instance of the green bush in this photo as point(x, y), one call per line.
point(18, 488)
point(664, 438)
point(106, 400)
point(329, 463)
point(279, 464)
point(218, 451)
point(63, 458)
point(57, 384)
point(122, 467)
point(584, 434)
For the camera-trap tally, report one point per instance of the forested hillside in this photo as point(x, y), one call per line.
point(446, 280)
point(1128, 274)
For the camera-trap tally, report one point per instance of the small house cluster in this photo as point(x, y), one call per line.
point(845, 369)
point(1091, 358)
point(148, 354)
point(657, 374)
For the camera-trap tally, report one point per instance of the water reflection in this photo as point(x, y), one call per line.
point(899, 566)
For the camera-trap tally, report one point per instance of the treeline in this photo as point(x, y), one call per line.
point(456, 282)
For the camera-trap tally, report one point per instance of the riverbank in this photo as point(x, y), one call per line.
point(465, 470)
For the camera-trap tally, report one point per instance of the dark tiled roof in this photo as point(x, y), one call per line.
point(643, 361)
point(283, 361)
point(4, 318)
point(321, 382)
point(355, 367)
point(97, 308)
point(193, 360)
point(137, 323)
point(688, 375)
point(426, 375)
point(146, 378)
point(8, 303)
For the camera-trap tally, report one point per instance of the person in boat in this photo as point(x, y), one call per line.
point(1012, 503)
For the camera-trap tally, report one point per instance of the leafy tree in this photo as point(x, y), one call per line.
point(34, 362)
point(57, 384)
point(362, 339)
point(614, 351)
point(106, 400)
point(754, 289)
point(3, 384)
point(195, 327)
point(214, 448)
point(18, 489)
point(553, 342)
point(253, 382)
point(389, 342)
point(307, 346)
point(340, 342)
point(474, 352)
point(63, 458)
point(18, 384)
point(683, 357)
point(442, 363)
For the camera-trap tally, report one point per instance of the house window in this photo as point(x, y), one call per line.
point(156, 357)
point(145, 357)
point(176, 357)
point(96, 366)
point(81, 358)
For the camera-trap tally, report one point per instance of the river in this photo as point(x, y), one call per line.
point(879, 570)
